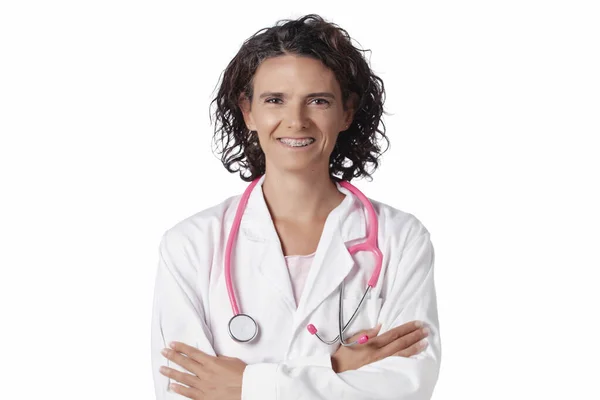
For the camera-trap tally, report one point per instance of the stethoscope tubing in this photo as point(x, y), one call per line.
point(370, 244)
point(341, 318)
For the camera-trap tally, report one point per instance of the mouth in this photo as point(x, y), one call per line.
point(297, 142)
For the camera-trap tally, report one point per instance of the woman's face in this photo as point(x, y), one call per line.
point(297, 111)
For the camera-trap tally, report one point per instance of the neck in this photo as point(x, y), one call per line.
point(302, 197)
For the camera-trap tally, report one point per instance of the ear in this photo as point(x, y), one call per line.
point(245, 107)
point(351, 105)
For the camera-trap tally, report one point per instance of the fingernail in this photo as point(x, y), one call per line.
point(418, 324)
point(164, 352)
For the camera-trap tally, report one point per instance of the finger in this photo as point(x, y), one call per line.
point(396, 333)
point(371, 333)
point(182, 360)
point(414, 349)
point(403, 343)
point(190, 393)
point(181, 377)
point(190, 351)
point(375, 331)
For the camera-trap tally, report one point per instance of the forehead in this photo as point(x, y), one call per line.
point(294, 72)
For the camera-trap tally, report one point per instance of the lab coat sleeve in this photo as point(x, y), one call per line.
point(177, 313)
point(412, 297)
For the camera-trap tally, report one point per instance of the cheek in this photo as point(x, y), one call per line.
point(332, 137)
point(267, 121)
point(330, 129)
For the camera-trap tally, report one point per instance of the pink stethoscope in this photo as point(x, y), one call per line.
point(243, 328)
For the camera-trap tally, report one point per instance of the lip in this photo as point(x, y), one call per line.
point(296, 138)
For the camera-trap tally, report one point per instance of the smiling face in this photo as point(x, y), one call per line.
point(298, 113)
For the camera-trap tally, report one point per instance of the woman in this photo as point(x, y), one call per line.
point(298, 112)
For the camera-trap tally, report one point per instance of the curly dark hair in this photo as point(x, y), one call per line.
point(314, 37)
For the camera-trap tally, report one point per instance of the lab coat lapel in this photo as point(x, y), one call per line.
point(257, 226)
point(275, 270)
point(332, 262)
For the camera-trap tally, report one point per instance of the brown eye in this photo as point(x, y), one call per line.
point(272, 98)
point(323, 100)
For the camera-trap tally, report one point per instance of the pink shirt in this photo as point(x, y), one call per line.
point(298, 267)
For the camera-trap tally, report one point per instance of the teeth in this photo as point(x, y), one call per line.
point(297, 142)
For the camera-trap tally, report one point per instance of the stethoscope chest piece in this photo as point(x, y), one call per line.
point(242, 328)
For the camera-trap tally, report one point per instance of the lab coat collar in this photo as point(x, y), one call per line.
point(257, 223)
point(331, 264)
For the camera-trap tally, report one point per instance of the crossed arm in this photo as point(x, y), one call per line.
point(178, 315)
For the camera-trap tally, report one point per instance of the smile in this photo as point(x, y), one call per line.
point(303, 142)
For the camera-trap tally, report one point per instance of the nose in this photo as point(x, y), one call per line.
point(296, 117)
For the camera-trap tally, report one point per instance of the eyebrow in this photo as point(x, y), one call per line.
point(280, 94)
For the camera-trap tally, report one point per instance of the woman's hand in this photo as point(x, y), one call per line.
point(214, 378)
point(403, 341)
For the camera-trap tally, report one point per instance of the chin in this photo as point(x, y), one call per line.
point(295, 167)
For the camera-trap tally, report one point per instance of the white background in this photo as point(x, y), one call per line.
point(106, 143)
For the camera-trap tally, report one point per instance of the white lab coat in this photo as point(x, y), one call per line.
point(285, 361)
